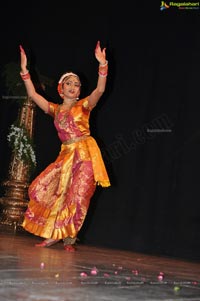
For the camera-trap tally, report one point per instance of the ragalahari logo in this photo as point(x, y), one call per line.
point(179, 5)
point(164, 5)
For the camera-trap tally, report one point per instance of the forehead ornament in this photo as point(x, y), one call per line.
point(67, 74)
point(59, 87)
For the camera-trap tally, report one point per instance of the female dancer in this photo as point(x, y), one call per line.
point(60, 195)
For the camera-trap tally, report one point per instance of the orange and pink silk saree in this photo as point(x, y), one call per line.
point(61, 194)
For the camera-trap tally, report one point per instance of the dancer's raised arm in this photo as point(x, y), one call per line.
point(37, 98)
point(100, 55)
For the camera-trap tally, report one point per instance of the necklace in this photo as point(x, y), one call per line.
point(68, 106)
point(63, 113)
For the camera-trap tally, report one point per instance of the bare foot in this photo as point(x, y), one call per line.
point(47, 243)
point(69, 248)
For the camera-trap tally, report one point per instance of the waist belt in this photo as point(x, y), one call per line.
point(73, 140)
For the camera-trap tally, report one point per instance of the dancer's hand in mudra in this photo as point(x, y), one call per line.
point(100, 54)
point(23, 60)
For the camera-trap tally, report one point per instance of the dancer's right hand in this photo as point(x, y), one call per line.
point(23, 60)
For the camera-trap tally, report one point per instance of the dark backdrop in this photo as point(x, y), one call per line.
point(147, 123)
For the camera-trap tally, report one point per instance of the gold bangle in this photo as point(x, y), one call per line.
point(21, 73)
point(103, 65)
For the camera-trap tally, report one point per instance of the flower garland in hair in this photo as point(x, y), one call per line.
point(21, 144)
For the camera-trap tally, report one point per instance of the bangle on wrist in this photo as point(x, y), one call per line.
point(25, 76)
point(103, 69)
point(103, 74)
point(103, 65)
point(24, 73)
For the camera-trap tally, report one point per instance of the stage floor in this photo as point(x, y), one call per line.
point(91, 273)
